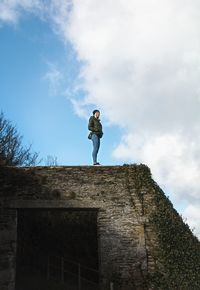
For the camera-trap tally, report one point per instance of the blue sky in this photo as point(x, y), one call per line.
point(137, 61)
point(40, 107)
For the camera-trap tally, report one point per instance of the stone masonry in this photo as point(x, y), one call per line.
point(122, 195)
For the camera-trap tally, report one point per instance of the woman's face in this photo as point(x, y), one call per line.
point(97, 114)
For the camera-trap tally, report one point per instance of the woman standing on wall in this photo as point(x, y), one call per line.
point(96, 134)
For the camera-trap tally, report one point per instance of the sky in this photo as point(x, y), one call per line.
point(136, 61)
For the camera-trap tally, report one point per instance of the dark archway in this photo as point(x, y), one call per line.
point(57, 249)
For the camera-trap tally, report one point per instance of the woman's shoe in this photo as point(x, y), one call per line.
point(96, 163)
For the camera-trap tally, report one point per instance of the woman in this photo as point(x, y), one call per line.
point(96, 133)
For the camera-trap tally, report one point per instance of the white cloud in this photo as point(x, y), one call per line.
point(142, 69)
point(10, 10)
point(192, 214)
point(79, 108)
point(54, 78)
point(172, 158)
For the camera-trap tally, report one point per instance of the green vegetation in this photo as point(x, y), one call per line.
point(177, 251)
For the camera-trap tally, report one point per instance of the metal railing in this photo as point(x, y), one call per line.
point(65, 270)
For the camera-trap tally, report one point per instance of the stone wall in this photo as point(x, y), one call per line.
point(126, 200)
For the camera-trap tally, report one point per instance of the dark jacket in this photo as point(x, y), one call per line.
point(95, 126)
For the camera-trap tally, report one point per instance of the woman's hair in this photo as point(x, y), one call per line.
point(95, 111)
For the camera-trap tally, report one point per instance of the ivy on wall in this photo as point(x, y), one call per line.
point(177, 252)
point(171, 243)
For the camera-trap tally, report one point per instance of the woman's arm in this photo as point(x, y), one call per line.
point(91, 124)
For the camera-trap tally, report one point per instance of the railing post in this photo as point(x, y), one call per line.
point(48, 268)
point(62, 270)
point(111, 286)
point(79, 276)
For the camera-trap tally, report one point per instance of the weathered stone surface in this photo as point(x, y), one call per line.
point(124, 197)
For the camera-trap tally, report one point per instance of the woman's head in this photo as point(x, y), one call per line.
point(96, 113)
